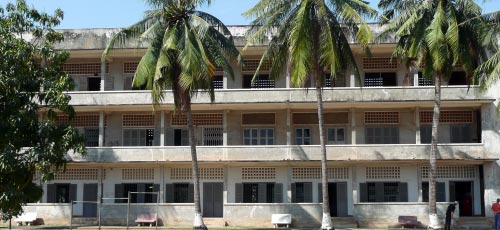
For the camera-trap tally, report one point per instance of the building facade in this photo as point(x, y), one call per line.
point(258, 144)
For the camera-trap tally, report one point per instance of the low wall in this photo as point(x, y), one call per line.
point(168, 214)
point(259, 215)
point(50, 213)
point(384, 215)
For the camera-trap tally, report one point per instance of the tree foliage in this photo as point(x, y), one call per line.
point(32, 86)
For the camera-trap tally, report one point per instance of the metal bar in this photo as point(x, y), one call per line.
point(128, 209)
point(99, 214)
point(157, 204)
point(71, 216)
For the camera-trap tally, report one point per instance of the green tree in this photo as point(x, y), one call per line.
point(311, 37)
point(32, 86)
point(489, 71)
point(184, 47)
point(434, 33)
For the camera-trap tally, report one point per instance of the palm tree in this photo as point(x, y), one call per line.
point(489, 71)
point(311, 37)
point(184, 47)
point(434, 32)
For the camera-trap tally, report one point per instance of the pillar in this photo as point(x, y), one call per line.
point(101, 128)
point(353, 126)
point(162, 128)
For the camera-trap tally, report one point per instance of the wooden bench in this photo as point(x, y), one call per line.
point(408, 221)
point(28, 218)
point(281, 219)
point(146, 219)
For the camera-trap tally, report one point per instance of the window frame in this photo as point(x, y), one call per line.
point(146, 139)
point(258, 138)
point(302, 137)
point(382, 137)
point(335, 132)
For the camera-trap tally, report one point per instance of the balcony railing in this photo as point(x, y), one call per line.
point(284, 153)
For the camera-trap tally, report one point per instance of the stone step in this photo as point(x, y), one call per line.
point(473, 223)
point(344, 222)
point(214, 222)
point(84, 221)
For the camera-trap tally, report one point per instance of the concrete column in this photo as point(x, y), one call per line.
point(162, 128)
point(101, 128)
point(103, 73)
point(288, 67)
point(288, 185)
point(224, 81)
point(352, 79)
point(415, 79)
point(288, 127)
point(225, 128)
point(419, 183)
point(353, 126)
point(417, 126)
point(100, 184)
point(355, 199)
point(162, 185)
point(226, 185)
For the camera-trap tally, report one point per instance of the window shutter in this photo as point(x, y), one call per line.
point(238, 193)
point(320, 192)
point(185, 137)
point(127, 83)
point(379, 192)
point(452, 191)
point(140, 196)
point(466, 134)
point(109, 83)
point(190, 193)
point(440, 192)
point(127, 133)
point(262, 192)
point(169, 193)
point(51, 193)
point(294, 195)
point(72, 192)
point(119, 193)
point(83, 84)
point(363, 192)
point(403, 192)
point(455, 134)
point(308, 192)
point(278, 193)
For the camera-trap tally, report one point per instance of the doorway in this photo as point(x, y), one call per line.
point(212, 199)
point(463, 192)
point(337, 194)
point(90, 195)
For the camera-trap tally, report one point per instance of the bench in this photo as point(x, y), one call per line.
point(408, 221)
point(28, 218)
point(146, 219)
point(281, 219)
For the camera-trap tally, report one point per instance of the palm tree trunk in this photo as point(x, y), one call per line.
point(198, 219)
point(434, 150)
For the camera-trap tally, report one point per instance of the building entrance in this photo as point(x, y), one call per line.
point(212, 199)
point(337, 194)
point(463, 192)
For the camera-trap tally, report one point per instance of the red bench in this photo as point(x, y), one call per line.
point(146, 219)
point(408, 221)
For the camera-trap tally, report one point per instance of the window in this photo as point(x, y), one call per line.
point(422, 81)
point(138, 137)
point(62, 193)
point(91, 137)
point(93, 84)
point(458, 78)
point(258, 136)
point(302, 136)
point(139, 192)
point(440, 192)
point(181, 137)
point(259, 193)
point(382, 135)
point(336, 136)
point(213, 136)
point(338, 81)
point(179, 193)
point(302, 192)
point(461, 133)
point(380, 79)
point(261, 81)
point(218, 82)
point(426, 134)
point(384, 192)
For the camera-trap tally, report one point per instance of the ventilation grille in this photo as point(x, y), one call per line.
point(142, 120)
point(258, 119)
point(381, 118)
point(91, 120)
point(205, 173)
point(251, 65)
point(130, 67)
point(78, 174)
point(312, 118)
point(258, 173)
point(447, 117)
point(138, 174)
point(213, 119)
point(84, 68)
point(385, 172)
point(467, 171)
point(338, 173)
point(378, 63)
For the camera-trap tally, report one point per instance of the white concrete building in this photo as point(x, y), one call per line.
point(258, 144)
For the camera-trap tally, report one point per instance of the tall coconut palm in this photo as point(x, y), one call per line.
point(489, 71)
point(311, 37)
point(434, 32)
point(184, 47)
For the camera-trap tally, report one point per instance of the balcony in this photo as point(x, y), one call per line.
point(274, 153)
point(345, 96)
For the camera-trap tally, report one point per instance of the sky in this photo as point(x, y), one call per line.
point(122, 13)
